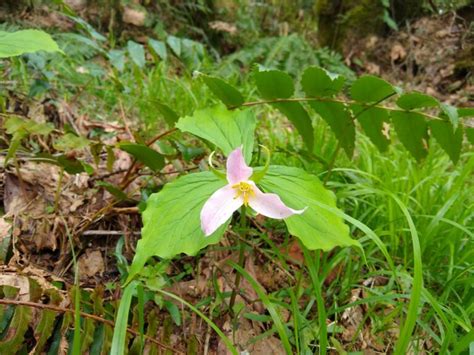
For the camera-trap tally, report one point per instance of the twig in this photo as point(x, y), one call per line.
point(85, 315)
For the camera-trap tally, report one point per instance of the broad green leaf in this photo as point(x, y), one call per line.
point(414, 100)
point(229, 95)
point(175, 44)
point(317, 82)
point(372, 119)
point(318, 227)
point(340, 121)
point(144, 154)
point(300, 118)
point(369, 88)
point(117, 59)
point(167, 112)
point(412, 130)
point(159, 48)
point(452, 113)
point(171, 220)
point(225, 129)
point(137, 53)
point(450, 141)
point(25, 41)
point(274, 84)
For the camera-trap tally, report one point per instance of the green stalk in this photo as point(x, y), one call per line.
point(243, 222)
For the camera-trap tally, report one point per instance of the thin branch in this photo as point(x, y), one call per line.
point(85, 315)
point(325, 99)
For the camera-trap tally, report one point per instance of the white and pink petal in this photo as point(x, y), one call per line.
point(218, 209)
point(271, 205)
point(237, 169)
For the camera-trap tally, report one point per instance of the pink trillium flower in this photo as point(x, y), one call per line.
point(240, 191)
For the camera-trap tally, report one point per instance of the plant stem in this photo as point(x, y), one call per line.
point(243, 222)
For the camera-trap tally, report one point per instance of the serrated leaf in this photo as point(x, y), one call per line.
point(340, 121)
point(300, 118)
point(450, 141)
point(229, 95)
point(159, 48)
point(171, 220)
point(411, 129)
point(225, 129)
point(369, 88)
point(170, 116)
point(317, 82)
point(414, 100)
point(317, 227)
point(274, 84)
point(26, 41)
point(372, 120)
point(144, 154)
point(175, 44)
point(137, 53)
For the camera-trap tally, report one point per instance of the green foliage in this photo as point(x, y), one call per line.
point(171, 220)
point(412, 130)
point(144, 154)
point(318, 227)
point(229, 95)
point(369, 89)
point(317, 82)
point(26, 41)
point(224, 129)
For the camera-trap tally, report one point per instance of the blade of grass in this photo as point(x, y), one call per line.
point(225, 339)
point(120, 331)
point(313, 268)
point(268, 305)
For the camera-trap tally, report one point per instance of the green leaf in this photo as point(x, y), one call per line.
point(369, 88)
point(372, 119)
point(171, 221)
point(159, 48)
point(300, 118)
point(173, 311)
point(225, 129)
point(175, 44)
point(318, 227)
point(167, 112)
point(317, 82)
point(12, 342)
point(411, 129)
point(137, 53)
point(117, 59)
point(229, 95)
point(25, 41)
point(414, 100)
point(114, 190)
point(452, 113)
point(144, 154)
point(450, 141)
point(274, 84)
point(466, 112)
point(340, 121)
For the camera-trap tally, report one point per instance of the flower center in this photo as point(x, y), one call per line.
point(245, 190)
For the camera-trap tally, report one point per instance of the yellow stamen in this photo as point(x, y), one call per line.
point(245, 190)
